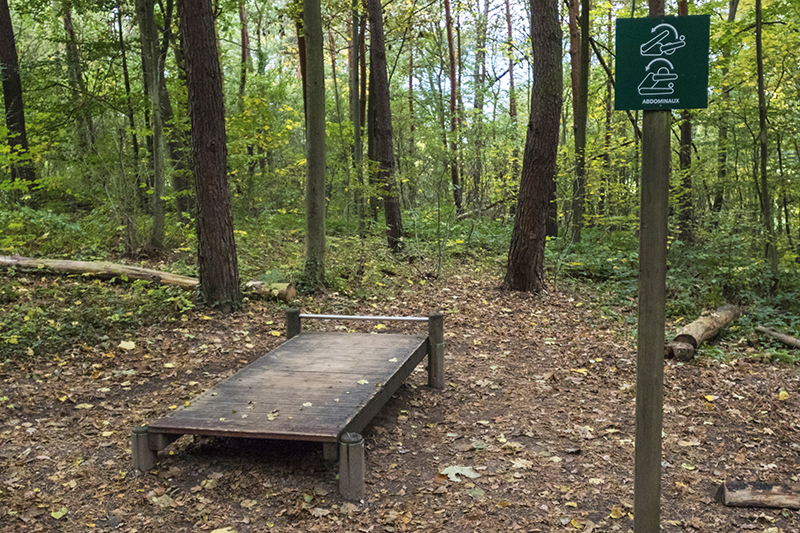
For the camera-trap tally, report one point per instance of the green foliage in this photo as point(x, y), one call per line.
point(43, 316)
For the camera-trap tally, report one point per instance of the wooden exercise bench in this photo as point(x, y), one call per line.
point(317, 386)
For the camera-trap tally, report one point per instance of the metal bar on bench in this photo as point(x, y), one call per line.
point(353, 317)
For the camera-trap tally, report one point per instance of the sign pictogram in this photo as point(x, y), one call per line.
point(662, 63)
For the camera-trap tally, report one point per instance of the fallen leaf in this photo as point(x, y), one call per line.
point(710, 397)
point(582, 371)
point(224, 529)
point(84, 406)
point(476, 493)
point(363, 382)
point(307, 404)
point(380, 326)
point(452, 472)
point(248, 504)
point(275, 333)
point(783, 395)
point(61, 513)
point(127, 345)
point(616, 513)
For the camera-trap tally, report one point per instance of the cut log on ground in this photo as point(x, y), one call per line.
point(704, 328)
point(284, 292)
point(105, 270)
point(102, 270)
point(757, 494)
point(785, 339)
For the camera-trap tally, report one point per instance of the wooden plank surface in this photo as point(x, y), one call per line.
point(313, 387)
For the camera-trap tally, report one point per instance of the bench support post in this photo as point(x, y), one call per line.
point(143, 458)
point(330, 451)
point(292, 323)
point(436, 350)
point(351, 466)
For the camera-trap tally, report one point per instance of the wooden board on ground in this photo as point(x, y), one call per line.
point(757, 494)
point(314, 387)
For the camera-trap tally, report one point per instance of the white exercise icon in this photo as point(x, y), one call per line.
point(659, 82)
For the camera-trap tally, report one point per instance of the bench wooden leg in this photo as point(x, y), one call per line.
point(330, 451)
point(351, 466)
point(143, 458)
point(436, 351)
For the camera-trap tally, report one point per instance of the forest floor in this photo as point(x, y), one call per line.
point(539, 402)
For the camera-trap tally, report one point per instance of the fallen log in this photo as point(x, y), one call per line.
point(278, 291)
point(757, 494)
point(785, 339)
point(102, 270)
point(704, 328)
point(106, 270)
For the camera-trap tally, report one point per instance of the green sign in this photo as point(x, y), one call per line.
point(662, 63)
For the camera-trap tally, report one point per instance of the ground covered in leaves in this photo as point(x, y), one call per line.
point(534, 431)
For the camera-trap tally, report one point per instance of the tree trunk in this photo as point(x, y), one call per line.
point(355, 117)
point(686, 213)
point(454, 171)
point(581, 119)
point(314, 269)
point(216, 247)
point(722, 131)
point(22, 170)
point(86, 133)
point(384, 152)
point(526, 254)
point(150, 56)
point(127, 78)
point(175, 137)
point(766, 196)
point(479, 99)
point(512, 96)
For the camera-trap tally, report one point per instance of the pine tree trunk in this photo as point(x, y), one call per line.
point(216, 247)
point(526, 254)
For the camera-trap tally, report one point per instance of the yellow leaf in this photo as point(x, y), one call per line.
point(275, 333)
point(84, 406)
point(307, 404)
point(169, 365)
point(393, 360)
point(571, 504)
point(205, 317)
point(107, 433)
point(616, 513)
point(173, 407)
point(783, 395)
point(579, 371)
point(363, 382)
point(127, 345)
point(380, 326)
point(710, 397)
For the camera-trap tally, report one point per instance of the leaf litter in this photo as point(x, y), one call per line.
point(533, 432)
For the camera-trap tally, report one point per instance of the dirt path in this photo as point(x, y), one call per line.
point(539, 403)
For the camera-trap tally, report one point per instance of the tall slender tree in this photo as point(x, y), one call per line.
point(314, 269)
point(451, 53)
point(581, 115)
point(216, 246)
point(22, 169)
point(765, 193)
point(525, 270)
point(384, 149)
point(152, 67)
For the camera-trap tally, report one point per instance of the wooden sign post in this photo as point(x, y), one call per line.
point(662, 70)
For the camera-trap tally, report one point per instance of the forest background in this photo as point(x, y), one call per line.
point(91, 183)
